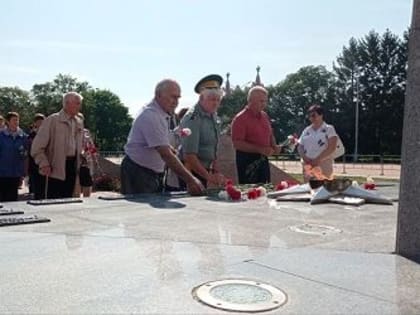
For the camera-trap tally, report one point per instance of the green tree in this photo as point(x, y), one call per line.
point(105, 115)
point(372, 72)
point(290, 99)
point(232, 104)
point(14, 99)
point(346, 70)
point(48, 96)
point(107, 118)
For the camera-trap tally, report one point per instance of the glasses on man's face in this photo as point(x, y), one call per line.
point(312, 115)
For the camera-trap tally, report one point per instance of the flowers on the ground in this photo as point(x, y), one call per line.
point(369, 186)
point(370, 180)
point(223, 195)
point(285, 184)
point(234, 193)
point(370, 183)
point(254, 193)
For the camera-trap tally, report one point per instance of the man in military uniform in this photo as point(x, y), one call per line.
point(199, 150)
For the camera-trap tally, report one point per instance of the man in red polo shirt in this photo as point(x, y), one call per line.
point(253, 139)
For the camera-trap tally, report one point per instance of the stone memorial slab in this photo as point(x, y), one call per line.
point(344, 200)
point(5, 211)
point(22, 220)
point(297, 189)
point(295, 197)
point(44, 202)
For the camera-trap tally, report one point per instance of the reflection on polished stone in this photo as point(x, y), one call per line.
point(128, 256)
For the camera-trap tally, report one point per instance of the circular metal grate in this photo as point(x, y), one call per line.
point(240, 295)
point(314, 229)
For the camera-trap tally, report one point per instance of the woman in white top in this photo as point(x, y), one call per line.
point(317, 145)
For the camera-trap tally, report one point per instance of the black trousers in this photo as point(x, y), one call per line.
point(136, 179)
point(9, 188)
point(58, 188)
point(253, 168)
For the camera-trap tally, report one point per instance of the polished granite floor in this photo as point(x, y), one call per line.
point(146, 255)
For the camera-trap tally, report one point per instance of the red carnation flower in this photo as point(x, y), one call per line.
point(233, 193)
point(252, 193)
point(369, 186)
point(282, 185)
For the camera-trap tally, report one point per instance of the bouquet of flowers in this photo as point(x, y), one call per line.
point(370, 184)
point(285, 184)
point(233, 193)
point(289, 145)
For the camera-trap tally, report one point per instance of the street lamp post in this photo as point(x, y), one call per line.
point(356, 122)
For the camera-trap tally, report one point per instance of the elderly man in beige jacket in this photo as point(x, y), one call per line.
point(56, 150)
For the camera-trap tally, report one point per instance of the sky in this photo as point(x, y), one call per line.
point(127, 46)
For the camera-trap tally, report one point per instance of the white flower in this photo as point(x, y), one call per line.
point(263, 191)
point(223, 195)
point(369, 180)
point(185, 132)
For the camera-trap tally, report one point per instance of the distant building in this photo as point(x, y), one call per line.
point(228, 90)
point(258, 78)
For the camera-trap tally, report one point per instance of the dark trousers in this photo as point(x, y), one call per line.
point(9, 188)
point(58, 188)
point(34, 180)
point(136, 179)
point(252, 168)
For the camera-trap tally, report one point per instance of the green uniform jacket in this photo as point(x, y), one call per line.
point(205, 132)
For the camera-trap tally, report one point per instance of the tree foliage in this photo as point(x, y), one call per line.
point(104, 114)
point(372, 73)
point(231, 104)
point(107, 119)
point(290, 99)
point(48, 96)
point(14, 99)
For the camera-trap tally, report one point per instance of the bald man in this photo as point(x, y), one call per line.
point(148, 147)
point(253, 139)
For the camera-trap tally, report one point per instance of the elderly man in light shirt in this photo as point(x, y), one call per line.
point(148, 146)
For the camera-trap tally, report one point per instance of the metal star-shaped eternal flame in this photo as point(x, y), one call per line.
point(336, 191)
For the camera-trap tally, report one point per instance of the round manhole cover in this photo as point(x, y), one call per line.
point(315, 229)
point(240, 295)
